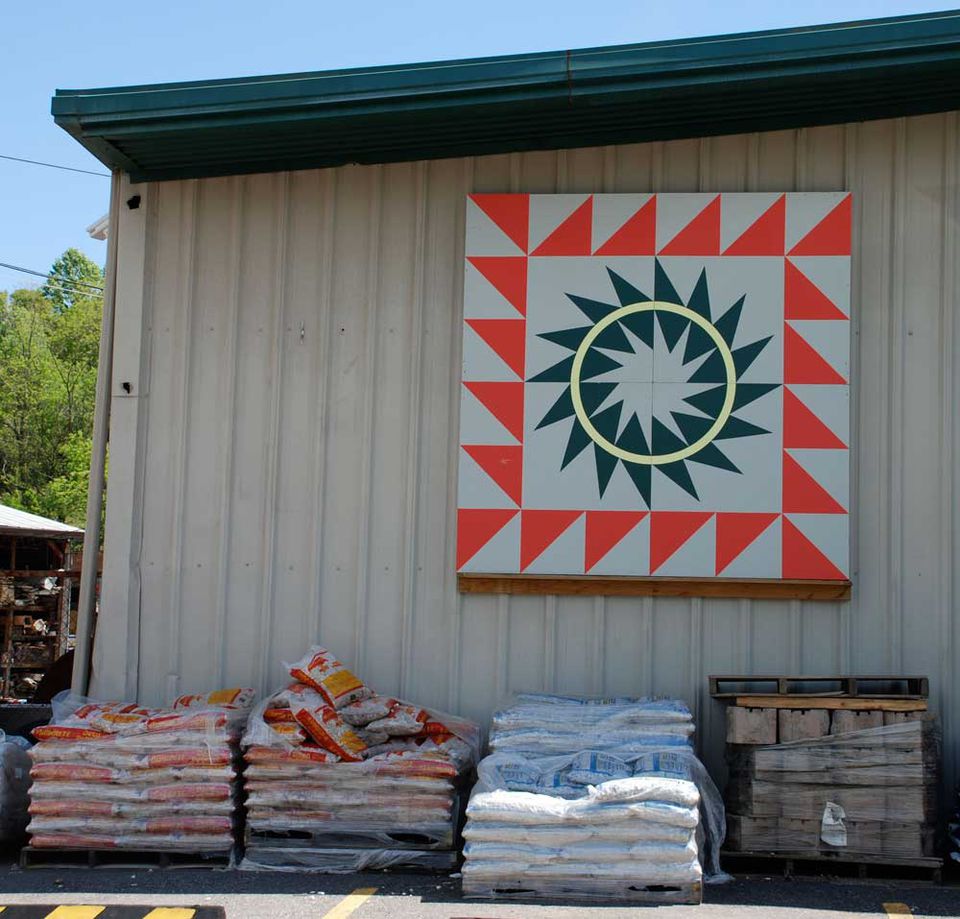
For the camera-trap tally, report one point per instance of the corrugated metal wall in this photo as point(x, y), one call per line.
point(283, 469)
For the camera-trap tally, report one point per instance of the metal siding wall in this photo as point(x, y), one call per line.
point(297, 434)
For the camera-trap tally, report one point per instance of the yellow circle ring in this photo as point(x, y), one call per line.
point(616, 316)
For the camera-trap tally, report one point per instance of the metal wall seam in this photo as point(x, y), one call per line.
point(232, 299)
point(131, 678)
point(272, 465)
point(550, 644)
point(894, 452)
point(313, 622)
point(371, 307)
point(850, 181)
point(454, 688)
point(598, 646)
point(950, 210)
point(191, 191)
point(414, 419)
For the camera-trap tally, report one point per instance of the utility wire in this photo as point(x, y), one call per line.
point(20, 159)
point(53, 278)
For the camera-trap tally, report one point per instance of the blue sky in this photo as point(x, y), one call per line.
point(52, 44)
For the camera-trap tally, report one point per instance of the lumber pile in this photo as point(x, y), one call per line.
point(844, 783)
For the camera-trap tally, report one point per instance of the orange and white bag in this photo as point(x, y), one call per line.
point(329, 730)
point(319, 669)
point(239, 698)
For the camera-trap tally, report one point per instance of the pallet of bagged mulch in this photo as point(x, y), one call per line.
point(339, 778)
point(118, 783)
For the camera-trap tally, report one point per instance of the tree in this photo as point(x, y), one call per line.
point(73, 277)
point(49, 340)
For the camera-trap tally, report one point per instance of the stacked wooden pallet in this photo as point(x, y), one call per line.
point(831, 767)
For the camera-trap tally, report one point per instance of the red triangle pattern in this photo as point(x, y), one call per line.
point(604, 530)
point(802, 429)
point(540, 529)
point(832, 235)
point(802, 299)
point(573, 236)
point(503, 464)
point(669, 530)
point(504, 401)
point(766, 235)
point(699, 237)
point(737, 531)
point(476, 527)
point(802, 363)
point(508, 274)
point(638, 236)
point(507, 337)
point(803, 560)
point(802, 494)
point(509, 212)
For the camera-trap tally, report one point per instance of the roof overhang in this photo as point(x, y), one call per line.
point(698, 87)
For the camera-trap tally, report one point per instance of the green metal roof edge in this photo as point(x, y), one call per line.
point(755, 81)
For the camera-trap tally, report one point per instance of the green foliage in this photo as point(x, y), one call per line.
point(76, 278)
point(49, 340)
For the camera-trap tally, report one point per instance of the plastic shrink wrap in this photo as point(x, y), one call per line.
point(14, 785)
point(591, 798)
point(116, 775)
point(339, 778)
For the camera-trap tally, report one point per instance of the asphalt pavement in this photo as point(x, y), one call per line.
point(275, 895)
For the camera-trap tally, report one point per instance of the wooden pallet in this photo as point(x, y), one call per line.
point(904, 688)
point(122, 858)
point(592, 890)
point(341, 859)
point(398, 838)
point(791, 864)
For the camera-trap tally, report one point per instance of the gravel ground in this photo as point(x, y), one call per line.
point(267, 895)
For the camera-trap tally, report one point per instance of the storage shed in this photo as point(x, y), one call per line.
point(288, 267)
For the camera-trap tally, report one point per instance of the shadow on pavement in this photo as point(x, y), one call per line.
point(823, 894)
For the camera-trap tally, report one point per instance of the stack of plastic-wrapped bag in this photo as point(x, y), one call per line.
point(592, 798)
point(115, 775)
point(14, 783)
point(339, 778)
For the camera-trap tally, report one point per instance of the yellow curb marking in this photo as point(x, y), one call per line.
point(76, 912)
point(350, 903)
point(171, 912)
point(897, 909)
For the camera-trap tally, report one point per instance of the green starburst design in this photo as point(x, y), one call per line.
point(600, 407)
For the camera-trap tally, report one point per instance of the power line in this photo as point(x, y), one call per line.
point(20, 159)
point(50, 277)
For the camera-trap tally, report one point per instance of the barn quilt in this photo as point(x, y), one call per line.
point(656, 385)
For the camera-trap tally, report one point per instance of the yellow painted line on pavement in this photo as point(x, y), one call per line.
point(76, 912)
point(171, 912)
point(897, 909)
point(350, 903)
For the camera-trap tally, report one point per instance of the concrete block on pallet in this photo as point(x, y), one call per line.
point(844, 721)
point(803, 724)
point(901, 717)
point(751, 725)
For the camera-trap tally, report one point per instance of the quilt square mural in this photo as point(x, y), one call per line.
point(656, 385)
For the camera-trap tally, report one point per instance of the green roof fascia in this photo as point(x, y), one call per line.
point(727, 84)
